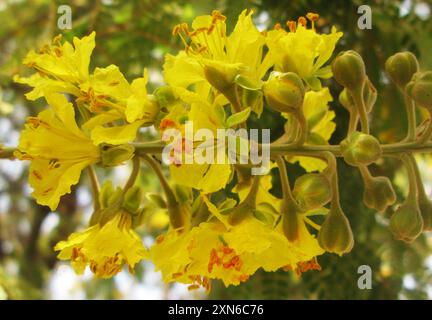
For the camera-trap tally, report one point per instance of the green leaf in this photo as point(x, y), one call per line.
point(238, 118)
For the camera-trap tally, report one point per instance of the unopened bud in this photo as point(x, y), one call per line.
point(284, 92)
point(221, 75)
point(425, 206)
point(179, 215)
point(132, 199)
point(312, 191)
point(406, 223)
point(239, 213)
point(401, 67)
point(115, 155)
point(335, 234)
point(349, 70)
point(360, 149)
point(378, 193)
point(420, 89)
point(289, 220)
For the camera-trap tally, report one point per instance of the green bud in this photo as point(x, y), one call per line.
point(349, 70)
point(312, 191)
point(378, 193)
point(360, 149)
point(335, 234)
point(406, 223)
point(164, 96)
point(157, 199)
point(132, 199)
point(239, 213)
point(420, 89)
point(425, 206)
point(401, 67)
point(115, 155)
point(221, 75)
point(289, 220)
point(179, 215)
point(284, 92)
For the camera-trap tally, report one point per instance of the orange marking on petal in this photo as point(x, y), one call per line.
point(37, 175)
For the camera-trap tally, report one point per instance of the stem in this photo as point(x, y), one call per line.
point(251, 197)
point(286, 189)
point(365, 173)
point(334, 184)
point(301, 139)
point(410, 109)
point(357, 96)
point(7, 152)
point(171, 199)
point(353, 122)
point(420, 187)
point(412, 191)
point(95, 187)
point(134, 174)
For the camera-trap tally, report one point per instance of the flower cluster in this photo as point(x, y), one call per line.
point(217, 81)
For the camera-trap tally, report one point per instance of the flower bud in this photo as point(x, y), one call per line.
point(360, 149)
point(349, 70)
point(420, 89)
point(221, 75)
point(284, 92)
point(239, 213)
point(178, 215)
point(425, 206)
point(406, 223)
point(335, 234)
point(289, 220)
point(114, 155)
point(378, 193)
point(312, 191)
point(132, 199)
point(401, 67)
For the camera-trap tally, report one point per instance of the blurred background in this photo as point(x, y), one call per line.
point(136, 34)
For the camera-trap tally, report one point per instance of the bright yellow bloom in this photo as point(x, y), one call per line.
point(206, 177)
point(208, 46)
point(320, 126)
point(63, 68)
point(105, 249)
point(58, 151)
point(303, 50)
point(216, 250)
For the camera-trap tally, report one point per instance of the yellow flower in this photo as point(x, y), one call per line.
point(303, 50)
point(105, 249)
point(206, 177)
point(216, 250)
point(208, 49)
point(58, 151)
point(320, 126)
point(61, 67)
point(64, 69)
